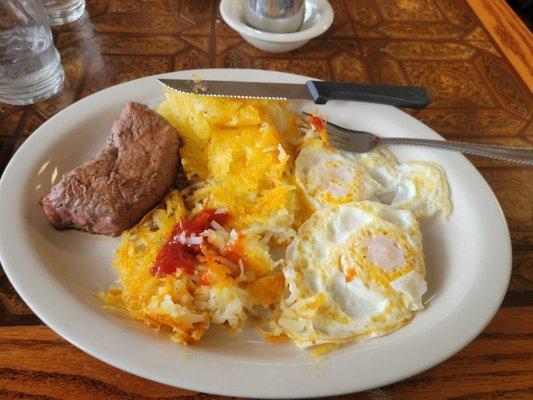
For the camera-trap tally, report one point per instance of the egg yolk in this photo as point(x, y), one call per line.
point(383, 252)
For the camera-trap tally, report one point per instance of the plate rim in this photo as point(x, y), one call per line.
point(77, 342)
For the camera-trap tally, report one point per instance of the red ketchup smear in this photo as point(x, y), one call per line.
point(317, 122)
point(176, 255)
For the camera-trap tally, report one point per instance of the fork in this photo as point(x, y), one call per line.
point(361, 142)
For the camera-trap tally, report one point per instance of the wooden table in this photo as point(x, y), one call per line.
point(476, 62)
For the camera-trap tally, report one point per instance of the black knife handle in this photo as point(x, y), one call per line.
point(401, 96)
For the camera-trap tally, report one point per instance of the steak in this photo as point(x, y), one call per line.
point(119, 185)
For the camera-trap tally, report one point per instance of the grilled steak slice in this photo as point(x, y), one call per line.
point(123, 182)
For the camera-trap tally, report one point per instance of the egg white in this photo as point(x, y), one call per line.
point(423, 189)
point(380, 164)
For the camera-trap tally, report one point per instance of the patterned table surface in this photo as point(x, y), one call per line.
point(477, 95)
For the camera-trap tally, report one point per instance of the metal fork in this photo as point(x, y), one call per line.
point(361, 142)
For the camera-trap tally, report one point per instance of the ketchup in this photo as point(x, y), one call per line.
point(176, 254)
point(316, 122)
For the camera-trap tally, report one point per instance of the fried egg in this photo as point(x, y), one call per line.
point(380, 164)
point(328, 178)
point(422, 189)
point(354, 271)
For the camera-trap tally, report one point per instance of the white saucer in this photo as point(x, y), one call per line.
point(318, 18)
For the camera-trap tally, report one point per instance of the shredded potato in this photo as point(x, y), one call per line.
point(234, 147)
point(169, 301)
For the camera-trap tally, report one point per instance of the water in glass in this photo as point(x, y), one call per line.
point(30, 68)
point(63, 11)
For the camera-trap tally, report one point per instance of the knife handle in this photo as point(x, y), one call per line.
point(401, 96)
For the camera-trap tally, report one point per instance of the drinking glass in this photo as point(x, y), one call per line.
point(63, 11)
point(30, 68)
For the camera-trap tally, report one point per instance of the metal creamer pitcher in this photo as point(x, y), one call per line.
point(278, 16)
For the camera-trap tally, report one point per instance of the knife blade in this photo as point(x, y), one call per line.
point(320, 92)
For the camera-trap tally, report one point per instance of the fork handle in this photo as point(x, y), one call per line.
point(514, 154)
point(400, 96)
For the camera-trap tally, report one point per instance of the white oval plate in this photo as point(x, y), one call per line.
point(58, 273)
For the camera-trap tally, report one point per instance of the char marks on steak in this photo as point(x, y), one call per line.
point(118, 186)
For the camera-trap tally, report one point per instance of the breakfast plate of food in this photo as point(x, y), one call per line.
point(224, 245)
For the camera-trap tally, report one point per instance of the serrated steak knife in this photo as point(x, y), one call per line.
point(320, 92)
